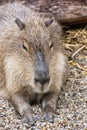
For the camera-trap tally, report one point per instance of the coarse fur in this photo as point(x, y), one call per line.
point(18, 57)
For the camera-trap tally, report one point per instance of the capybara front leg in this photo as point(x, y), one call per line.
point(23, 108)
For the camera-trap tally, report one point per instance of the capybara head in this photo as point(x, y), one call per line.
point(32, 51)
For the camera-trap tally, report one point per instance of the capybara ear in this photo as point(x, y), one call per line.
point(48, 22)
point(54, 28)
point(20, 24)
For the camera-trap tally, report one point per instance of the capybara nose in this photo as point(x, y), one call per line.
point(41, 69)
point(42, 80)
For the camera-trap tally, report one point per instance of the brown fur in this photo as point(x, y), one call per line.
point(17, 67)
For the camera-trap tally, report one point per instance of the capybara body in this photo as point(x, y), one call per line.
point(32, 61)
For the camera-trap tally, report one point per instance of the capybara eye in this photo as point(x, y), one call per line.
point(24, 47)
point(51, 46)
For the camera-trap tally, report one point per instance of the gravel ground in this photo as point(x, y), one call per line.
point(71, 113)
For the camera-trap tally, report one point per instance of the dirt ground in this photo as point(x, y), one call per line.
point(71, 113)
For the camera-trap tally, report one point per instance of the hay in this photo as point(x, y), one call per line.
point(75, 42)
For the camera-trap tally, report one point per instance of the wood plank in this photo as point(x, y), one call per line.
point(66, 11)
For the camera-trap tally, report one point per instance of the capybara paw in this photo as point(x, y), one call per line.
point(49, 117)
point(29, 120)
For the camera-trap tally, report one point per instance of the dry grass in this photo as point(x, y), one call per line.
point(75, 41)
point(71, 113)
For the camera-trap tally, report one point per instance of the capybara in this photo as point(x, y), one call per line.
point(33, 66)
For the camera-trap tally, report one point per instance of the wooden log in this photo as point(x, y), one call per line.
point(68, 12)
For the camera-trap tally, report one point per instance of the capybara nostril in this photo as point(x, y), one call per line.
point(42, 80)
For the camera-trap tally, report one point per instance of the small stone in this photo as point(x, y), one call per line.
point(85, 99)
point(44, 128)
